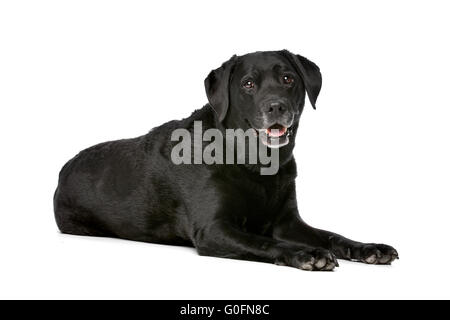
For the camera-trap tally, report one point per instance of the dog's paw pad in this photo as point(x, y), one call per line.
point(317, 260)
point(322, 262)
point(377, 254)
point(371, 259)
point(308, 266)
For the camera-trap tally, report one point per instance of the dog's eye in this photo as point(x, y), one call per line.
point(288, 79)
point(248, 84)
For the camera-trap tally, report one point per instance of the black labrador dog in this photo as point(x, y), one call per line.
point(131, 188)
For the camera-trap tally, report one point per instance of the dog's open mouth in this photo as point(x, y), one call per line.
point(276, 131)
point(274, 136)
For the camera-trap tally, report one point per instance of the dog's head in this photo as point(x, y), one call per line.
point(264, 91)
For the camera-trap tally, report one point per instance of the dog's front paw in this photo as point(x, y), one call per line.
point(311, 260)
point(372, 253)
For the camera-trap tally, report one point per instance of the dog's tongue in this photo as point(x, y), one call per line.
point(276, 131)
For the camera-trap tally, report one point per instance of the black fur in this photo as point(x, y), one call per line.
point(130, 188)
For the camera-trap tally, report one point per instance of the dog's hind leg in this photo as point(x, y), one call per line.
point(78, 221)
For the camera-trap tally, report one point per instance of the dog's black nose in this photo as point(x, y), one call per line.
point(275, 108)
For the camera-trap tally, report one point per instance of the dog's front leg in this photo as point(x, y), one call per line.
point(291, 228)
point(224, 240)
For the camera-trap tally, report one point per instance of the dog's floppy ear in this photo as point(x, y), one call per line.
point(216, 86)
point(309, 72)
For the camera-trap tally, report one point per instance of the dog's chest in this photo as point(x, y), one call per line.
point(256, 204)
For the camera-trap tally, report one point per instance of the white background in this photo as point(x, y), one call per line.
point(373, 159)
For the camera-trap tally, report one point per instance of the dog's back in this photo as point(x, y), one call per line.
point(129, 188)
